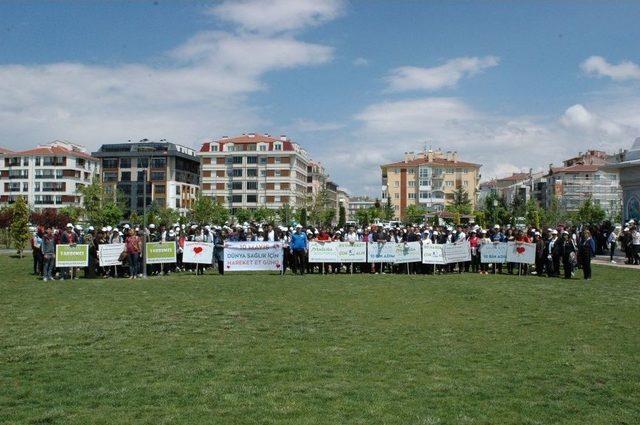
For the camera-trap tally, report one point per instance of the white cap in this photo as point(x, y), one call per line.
point(69, 225)
point(554, 232)
point(497, 226)
point(207, 227)
point(115, 229)
point(109, 228)
point(171, 233)
point(435, 233)
point(194, 226)
point(78, 227)
point(104, 229)
point(152, 226)
point(316, 232)
point(91, 229)
point(126, 226)
point(298, 226)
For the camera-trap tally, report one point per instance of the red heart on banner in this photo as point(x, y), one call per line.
point(520, 250)
point(197, 249)
point(277, 265)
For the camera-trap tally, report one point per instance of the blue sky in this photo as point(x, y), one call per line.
point(511, 85)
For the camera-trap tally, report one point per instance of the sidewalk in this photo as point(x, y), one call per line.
point(603, 260)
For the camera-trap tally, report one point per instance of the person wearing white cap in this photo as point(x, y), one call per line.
point(68, 237)
point(612, 242)
point(569, 257)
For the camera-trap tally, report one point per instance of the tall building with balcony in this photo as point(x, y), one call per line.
point(146, 173)
point(428, 179)
point(253, 170)
point(358, 203)
point(47, 176)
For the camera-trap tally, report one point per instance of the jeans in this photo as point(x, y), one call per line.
point(612, 248)
point(134, 263)
point(49, 265)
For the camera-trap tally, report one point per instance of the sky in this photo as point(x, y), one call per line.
point(510, 85)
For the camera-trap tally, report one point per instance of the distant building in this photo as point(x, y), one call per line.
point(428, 179)
point(524, 185)
point(47, 176)
point(580, 178)
point(628, 166)
point(358, 203)
point(253, 170)
point(343, 201)
point(167, 173)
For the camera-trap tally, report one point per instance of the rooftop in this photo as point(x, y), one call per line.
point(251, 138)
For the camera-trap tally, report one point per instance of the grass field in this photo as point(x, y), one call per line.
point(245, 349)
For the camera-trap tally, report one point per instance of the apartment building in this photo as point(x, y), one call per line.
point(253, 170)
point(628, 165)
point(358, 203)
point(146, 173)
point(47, 176)
point(428, 179)
point(580, 178)
point(525, 185)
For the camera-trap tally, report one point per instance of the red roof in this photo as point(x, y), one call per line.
point(437, 161)
point(287, 145)
point(515, 177)
point(4, 150)
point(578, 168)
point(53, 151)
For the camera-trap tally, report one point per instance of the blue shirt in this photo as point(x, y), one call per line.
point(298, 241)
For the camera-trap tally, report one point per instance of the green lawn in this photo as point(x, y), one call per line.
point(320, 350)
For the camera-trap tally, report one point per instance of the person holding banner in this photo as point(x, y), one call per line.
point(134, 248)
point(48, 248)
point(474, 244)
point(68, 237)
point(299, 247)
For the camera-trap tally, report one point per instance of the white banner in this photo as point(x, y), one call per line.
point(323, 252)
point(109, 254)
point(383, 252)
point(493, 252)
point(241, 256)
point(521, 252)
point(433, 254)
point(408, 252)
point(352, 252)
point(197, 252)
point(457, 252)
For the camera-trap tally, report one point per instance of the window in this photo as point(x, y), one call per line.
point(25, 187)
point(158, 162)
point(236, 185)
point(214, 148)
point(449, 183)
point(125, 162)
point(236, 198)
point(36, 186)
point(37, 160)
point(157, 175)
point(277, 173)
point(262, 148)
point(252, 172)
point(252, 160)
point(252, 198)
point(237, 160)
point(277, 160)
point(142, 175)
point(263, 199)
point(396, 170)
point(396, 195)
point(178, 190)
point(263, 173)
point(252, 185)
point(109, 176)
point(237, 172)
point(465, 183)
point(396, 184)
point(142, 162)
point(107, 163)
point(277, 146)
point(412, 171)
point(412, 195)
point(263, 160)
point(412, 183)
point(125, 176)
point(25, 161)
point(159, 188)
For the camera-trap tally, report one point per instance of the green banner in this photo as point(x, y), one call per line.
point(72, 255)
point(160, 252)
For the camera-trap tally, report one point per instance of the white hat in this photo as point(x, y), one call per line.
point(115, 229)
point(497, 226)
point(137, 229)
point(564, 232)
point(626, 229)
point(69, 225)
point(172, 233)
point(554, 232)
point(152, 226)
point(184, 226)
point(298, 226)
point(104, 229)
point(207, 227)
point(109, 228)
point(194, 226)
point(126, 226)
point(316, 232)
point(91, 229)
point(435, 233)
point(78, 227)
point(483, 231)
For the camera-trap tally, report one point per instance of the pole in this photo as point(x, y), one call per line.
point(144, 224)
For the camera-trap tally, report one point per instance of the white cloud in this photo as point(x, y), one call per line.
point(277, 16)
point(360, 62)
point(599, 67)
point(309, 125)
point(447, 75)
point(202, 90)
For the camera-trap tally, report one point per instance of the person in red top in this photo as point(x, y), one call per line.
point(474, 243)
point(134, 247)
point(323, 236)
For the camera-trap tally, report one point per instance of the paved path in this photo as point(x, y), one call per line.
point(603, 260)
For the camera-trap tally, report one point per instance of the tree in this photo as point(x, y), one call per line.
point(134, 218)
point(414, 214)
point(327, 217)
point(362, 216)
point(518, 206)
point(264, 215)
point(20, 225)
point(167, 216)
point(219, 214)
point(589, 213)
point(201, 210)
point(554, 214)
point(285, 214)
point(533, 214)
point(302, 217)
point(388, 212)
point(342, 216)
point(242, 215)
point(101, 208)
point(72, 212)
point(496, 211)
point(50, 217)
point(5, 224)
point(461, 203)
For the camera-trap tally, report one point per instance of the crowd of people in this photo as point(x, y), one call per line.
point(559, 251)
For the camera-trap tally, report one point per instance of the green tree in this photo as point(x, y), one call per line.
point(264, 215)
point(302, 217)
point(71, 211)
point(495, 209)
point(342, 216)
point(414, 214)
point(327, 217)
point(518, 206)
point(533, 214)
point(242, 215)
point(134, 218)
point(554, 214)
point(101, 208)
point(285, 214)
point(460, 203)
point(112, 214)
point(589, 213)
point(362, 216)
point(201, 210)
point(167, 216)
point(219, 214)
point(388, 212)
point(20, 225)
